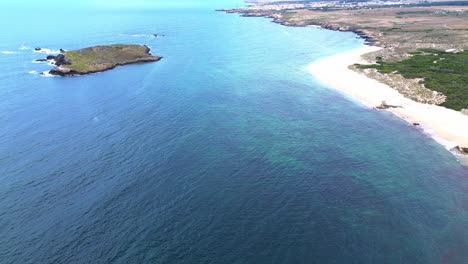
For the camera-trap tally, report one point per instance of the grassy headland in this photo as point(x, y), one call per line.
point(100, 58)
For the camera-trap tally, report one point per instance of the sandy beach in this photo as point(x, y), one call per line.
point(446, 126)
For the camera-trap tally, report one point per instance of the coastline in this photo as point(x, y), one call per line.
point(446, 126)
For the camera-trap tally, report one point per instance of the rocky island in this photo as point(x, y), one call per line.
point(99, 58)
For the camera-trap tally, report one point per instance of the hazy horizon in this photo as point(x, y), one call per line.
point(118, 4)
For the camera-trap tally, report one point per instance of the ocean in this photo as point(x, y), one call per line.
point(226, 151)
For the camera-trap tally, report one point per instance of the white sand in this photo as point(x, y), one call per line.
point(448, 127)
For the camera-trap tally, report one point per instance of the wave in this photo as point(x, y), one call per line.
point(43, 74)
point(47, 51)
point(48, 62)
point(41, 50)
point(23, 47)
point(46, 74)
point(7, 52)
point(143, 35)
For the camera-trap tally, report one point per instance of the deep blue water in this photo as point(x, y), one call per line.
point(226, 151)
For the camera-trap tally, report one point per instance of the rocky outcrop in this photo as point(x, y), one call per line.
point(367, 36)
point(384, 106)
point(461, 150)
point(59, 60)
point(62, 71)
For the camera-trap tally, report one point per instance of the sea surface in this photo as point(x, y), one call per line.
point(226, 151)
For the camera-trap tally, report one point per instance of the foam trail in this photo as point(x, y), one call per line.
point(23, 47)
point(146, 35)
point(47, 51)
point(7, 52)
point(46, 74)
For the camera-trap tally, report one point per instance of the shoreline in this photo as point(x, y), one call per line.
point(368, 39)
point(448, 127)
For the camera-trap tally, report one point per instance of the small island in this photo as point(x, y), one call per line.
point(99, 59)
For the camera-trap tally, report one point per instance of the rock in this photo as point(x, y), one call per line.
point(61, 71)
point(460, 149)
point(37, 49)
point(59, 59)
point(62, 51)
point(42, 60)
point(416, 124)
point(463, 150)
point(384, 105)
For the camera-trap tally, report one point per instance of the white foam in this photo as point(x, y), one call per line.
point(47, 51)
point(7, 52)
point(145, 35)
point(43, 74)
point(46, 74)
point(23, 47)
point(48, 62)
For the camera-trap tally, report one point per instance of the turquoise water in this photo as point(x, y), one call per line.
point(226, 151)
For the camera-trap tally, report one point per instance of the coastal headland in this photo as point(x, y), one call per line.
point(98, 59)
point(413, 63)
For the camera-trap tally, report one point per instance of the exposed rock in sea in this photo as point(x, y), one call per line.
point(59, 60)
point(61, 71)
point(37, 49)
point(462, 150)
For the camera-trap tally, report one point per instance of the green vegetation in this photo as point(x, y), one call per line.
point(419, 12)
point(441, 71)
point(100, 58)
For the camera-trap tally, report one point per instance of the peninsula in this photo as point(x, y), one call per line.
point(99, 59)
